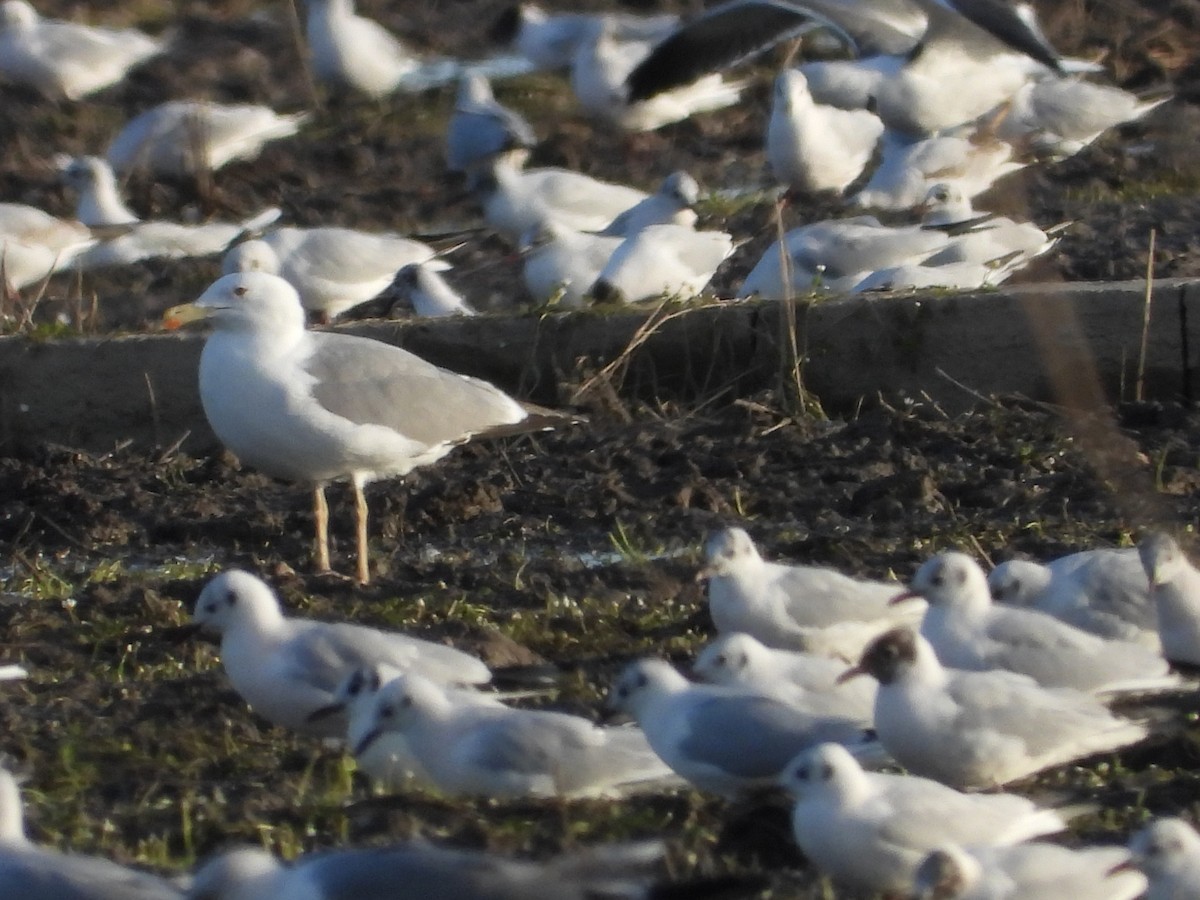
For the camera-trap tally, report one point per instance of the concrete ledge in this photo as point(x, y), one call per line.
point(1074, 343)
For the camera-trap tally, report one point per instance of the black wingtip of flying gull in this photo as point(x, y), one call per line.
point(722, 37)
point(1012, 25)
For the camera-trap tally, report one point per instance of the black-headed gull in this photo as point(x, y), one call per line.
point(980, 729)
point(428, 293)
point(672, 203)
point(316, 407)
point(549, 40)
point(560, 264)
point(352, 51)
point(67, 59)
point(979, 237)
point(662, 261)
point(288, 668)
point(969, 631)
point(1175, 592)
point(183, 137)
point(1032, 871)
point(814, 147)
point(721, 739)
point(481, 127)
point(776, 602)
point(805, 680)
point(1103, 591)
point(871, 830)
point(1167, 852)
point(492, 750)
point(35, 244)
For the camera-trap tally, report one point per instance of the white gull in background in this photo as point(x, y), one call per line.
point(598, 71)
point(723, 740)
point(804, 680)
point(1058, 117)
point(1167, 852)
point(848, 83)
point(1175, 592)
point(775, 602)
point(952, 275)
point(560, 264)
point(492, 750)
point(67, 59)
point(12, 672)
point(815, 147)
point(420, 285)
point(1030, 871)
point(183, 137)
point(1103, 591)
point(516, 200)
point(969, 631)
point(662, 260)
point(549, 40)
point(672, 204)
point(30, 872)
point(481, 127)
point(870, 830)
point(836, 255)
point(35, 244)
point(288, 668)
point(430, 872)
point(979, 729)
point(352, 51)
point(908, 169)
point(332, 269)
point(128, 239)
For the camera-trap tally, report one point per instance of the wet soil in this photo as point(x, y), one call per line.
point(576, 548)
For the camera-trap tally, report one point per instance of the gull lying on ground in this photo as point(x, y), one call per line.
point(870, 830)
point(13, 672)
point(968, 631)
point(426, 291)
point(35, 244)
point(516, 201)
point(30, 872)
point(598, 72)
point(671, 204)
point(100, 207)
point(481, 127)
point(1103, 591)
point(319, 406)
point(561, 264)
point(1032, 871)
point(979, 237)
point(288, 668)
point(775, 602)
point(723, 740)
point(550, 40)
point(979, 729)
point(814, 147)
point(1167, 852)
point(662, 260)
point(803, 680)
point(183, 137)
point(332, 269)
point(497, 751)
point(67, 59)
point(1175, 592)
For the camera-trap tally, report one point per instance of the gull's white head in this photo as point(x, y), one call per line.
point(952, 580)
point(640, 684)
point(729, 659)
point(251, 256)
point(1166, 849)
point(254, 302)
point(235, 599)
point(1161, 557)
point(473, 89)
point(15, 14)
point(399, 705)
point(827, 770)
point(247, 873)
point(946, 204)
point(947, 873)
point(682, 188)
point(1018, 581)
point(727, 552)
point(791, 89)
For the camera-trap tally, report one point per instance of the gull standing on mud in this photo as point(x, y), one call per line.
point(287, 668)
point(319, 406)
point(30, 872)
point(870, 830)
point(979, 729)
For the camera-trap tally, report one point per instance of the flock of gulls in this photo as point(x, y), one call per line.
point(894, 715)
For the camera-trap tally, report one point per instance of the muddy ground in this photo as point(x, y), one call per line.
point(576, 547)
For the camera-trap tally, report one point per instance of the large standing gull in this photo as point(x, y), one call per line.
point(319, 407)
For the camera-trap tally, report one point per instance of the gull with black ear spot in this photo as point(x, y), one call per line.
point(287, 669)
point(1167, 852)
point(968, 631)
point(870, 830)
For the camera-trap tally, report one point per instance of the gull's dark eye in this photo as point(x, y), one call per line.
point(356, 684)
point(802, 773)
point(742, 661)
point(386, 712)
point(826, 772)
point(719, 659)
point(406, 701)
point(230, 598)
point(375, 681)
point(239, 291)
point(210, 608)
point(641, 681)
